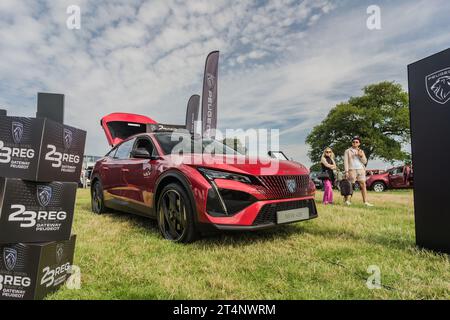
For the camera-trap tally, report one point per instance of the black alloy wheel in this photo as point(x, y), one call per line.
point(97, 201)
point(175, 215)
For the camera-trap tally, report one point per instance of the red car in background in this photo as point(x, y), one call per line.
point(395, 178)
point(142, 175)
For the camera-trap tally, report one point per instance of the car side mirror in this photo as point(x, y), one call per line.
point(141, 153)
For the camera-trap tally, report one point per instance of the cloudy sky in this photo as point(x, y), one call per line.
point(283, 64)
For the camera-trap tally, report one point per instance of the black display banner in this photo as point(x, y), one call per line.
point(51, 106)
point(429, 100)
point(192, 111)
point(36, 211)
point(209, 95)
point(40, 149)
point(31, 271)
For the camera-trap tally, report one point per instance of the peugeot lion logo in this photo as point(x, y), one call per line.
point(291, 185)
point(438, 85)
point(17, 131)
point(210, 80)
point(10, 258)
point(44, 195)
point(67, 138)
point(59, 252)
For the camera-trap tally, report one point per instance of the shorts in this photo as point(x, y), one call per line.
point(356, 175)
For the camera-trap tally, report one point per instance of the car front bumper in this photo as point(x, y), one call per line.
point(263, 214)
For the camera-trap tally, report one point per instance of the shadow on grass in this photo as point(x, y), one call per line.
point(144, 225)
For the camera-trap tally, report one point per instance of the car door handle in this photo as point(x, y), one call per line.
point(125, 170)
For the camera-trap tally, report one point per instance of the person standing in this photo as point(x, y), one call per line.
point(355, 170)
point(328, 166)
point(406, 175)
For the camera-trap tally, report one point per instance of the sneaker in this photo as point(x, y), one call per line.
point(348, 203)
point(368, 204)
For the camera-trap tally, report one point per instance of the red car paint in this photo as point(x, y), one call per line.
point(394, 178)
point(132, 184)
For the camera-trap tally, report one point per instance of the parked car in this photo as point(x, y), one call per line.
point(395, 178)
point(190, 193)
point(317, 182)
point(85, 178)
point(370, 172)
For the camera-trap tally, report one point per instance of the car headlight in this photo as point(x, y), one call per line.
point(214, 174)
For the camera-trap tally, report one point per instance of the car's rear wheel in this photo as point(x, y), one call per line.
point(97, 201)
point(175, 215)
point(379, 186)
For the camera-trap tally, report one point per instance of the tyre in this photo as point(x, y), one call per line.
point(175, 215)
point(379, 186)
point(356, 187)
point(97, 200)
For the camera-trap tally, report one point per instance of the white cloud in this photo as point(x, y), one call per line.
point(283, 64)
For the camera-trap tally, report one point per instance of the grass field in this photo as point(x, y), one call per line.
point(123, 257)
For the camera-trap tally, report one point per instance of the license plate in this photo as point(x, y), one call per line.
point(287, 216)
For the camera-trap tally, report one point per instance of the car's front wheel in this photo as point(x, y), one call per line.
point(97, 201)
point(175, 215)
point(379, 186)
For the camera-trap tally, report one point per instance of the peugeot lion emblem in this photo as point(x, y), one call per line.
point(10, 258)
point(438, 85)
point(44, 195)
point(67, 138)
point(59, 252)
point(291, 185)
point(210, 80)
point(17, 131)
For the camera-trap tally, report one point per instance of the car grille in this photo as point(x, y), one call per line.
point(276, 187)
point(268, 213)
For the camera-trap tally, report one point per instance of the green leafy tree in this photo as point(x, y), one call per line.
point(315, 167)
point(380, 117)
point(235, 144)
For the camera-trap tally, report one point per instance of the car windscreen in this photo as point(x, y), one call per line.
point(183, 143)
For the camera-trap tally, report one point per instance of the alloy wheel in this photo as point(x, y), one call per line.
point(378, 187)
point(172, 215)
point(97, 200)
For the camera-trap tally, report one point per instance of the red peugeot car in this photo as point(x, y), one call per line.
point(190, 193)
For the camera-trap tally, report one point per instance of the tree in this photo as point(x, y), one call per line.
point(380, 117)
point(235, 144)
point(315, 167)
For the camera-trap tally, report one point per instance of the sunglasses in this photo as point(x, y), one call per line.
point(327, 151)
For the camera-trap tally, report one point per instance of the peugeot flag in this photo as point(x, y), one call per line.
point(192, 112)
point(209, 97)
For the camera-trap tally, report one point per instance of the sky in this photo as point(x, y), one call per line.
point(284, 64)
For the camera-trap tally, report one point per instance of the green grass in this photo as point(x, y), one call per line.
point(123, 257)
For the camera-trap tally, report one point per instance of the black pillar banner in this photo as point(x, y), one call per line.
point(209, 97)
point(193, 107)
point(51, 106)
point(429, 100)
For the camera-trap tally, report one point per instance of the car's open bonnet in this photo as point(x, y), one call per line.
point(119, 126)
